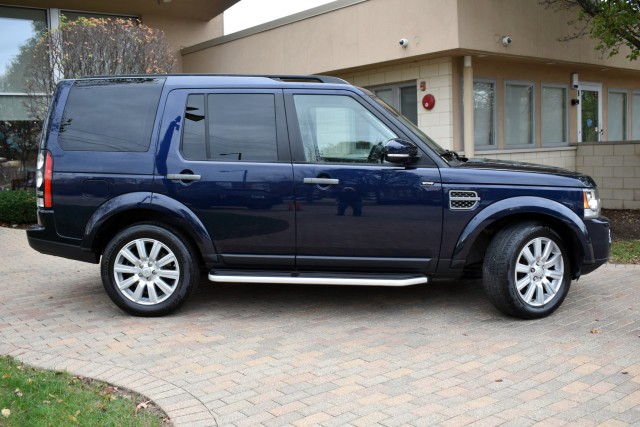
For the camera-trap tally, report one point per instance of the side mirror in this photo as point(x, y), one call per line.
point(400, 151)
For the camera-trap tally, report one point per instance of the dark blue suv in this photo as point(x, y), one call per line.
point(294, 179)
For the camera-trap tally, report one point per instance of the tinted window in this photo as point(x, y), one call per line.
point(110, 115)
point(230, 127)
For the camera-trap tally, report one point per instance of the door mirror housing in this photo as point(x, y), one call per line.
point(401, 151)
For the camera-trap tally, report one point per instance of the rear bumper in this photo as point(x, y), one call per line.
point(44, 239)
point(600, 236)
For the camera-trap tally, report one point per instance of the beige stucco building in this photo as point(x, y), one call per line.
point(530, 96)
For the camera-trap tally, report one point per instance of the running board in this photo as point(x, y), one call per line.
point(316, 278)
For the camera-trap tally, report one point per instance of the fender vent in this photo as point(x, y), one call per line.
point(463, 200)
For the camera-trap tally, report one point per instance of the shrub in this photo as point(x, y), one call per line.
point(18, 206)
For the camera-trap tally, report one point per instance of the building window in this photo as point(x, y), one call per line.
point(636, 116)
point(554, 115)
point(74, 16)
point(617, 120)
point(484, 114)
point(18, 129)
point(518, 114)
point(403, 97)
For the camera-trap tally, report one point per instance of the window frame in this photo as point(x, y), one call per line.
point(282, 144)
point(625, 115)
point(521, 83)
point(635, 112)
point(566, 115)
point(396, 94)
point(494, 143)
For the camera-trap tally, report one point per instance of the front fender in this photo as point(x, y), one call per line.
point(517, 206)
point(154, 203)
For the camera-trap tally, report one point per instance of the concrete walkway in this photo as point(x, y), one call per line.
point(334, 356)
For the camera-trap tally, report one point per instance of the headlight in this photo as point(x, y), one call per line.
point(592, 203)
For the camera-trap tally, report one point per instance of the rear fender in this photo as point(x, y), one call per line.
point(155, 204)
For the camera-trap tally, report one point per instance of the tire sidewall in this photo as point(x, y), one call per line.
point(522, 308)
point(188, 269)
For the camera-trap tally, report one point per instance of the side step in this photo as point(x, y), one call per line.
point(289, 278)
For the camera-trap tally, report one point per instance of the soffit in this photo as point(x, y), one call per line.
point(203, 10)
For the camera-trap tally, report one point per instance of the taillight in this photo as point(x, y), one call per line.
point(44, 176)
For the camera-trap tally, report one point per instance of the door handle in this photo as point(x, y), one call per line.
point(321, 181)
point(183, 177)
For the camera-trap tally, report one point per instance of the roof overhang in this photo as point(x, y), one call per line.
point(203, 10)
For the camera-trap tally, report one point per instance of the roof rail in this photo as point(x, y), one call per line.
point(309, 78)
point(281, 77)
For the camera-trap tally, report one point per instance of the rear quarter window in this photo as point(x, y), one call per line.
point(110, 115)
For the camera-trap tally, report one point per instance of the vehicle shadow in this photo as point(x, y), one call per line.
point(461, 296)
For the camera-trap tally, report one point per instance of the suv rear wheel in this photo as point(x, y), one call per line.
point(148, 270)
point(526, 271)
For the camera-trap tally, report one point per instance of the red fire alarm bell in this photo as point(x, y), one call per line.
point(429, 101)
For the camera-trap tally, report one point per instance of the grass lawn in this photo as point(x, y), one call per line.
point(625, 252)
point(34, 397)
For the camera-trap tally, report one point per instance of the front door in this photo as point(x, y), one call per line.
point(225, 156)
point(590, 113)
point(354, 210)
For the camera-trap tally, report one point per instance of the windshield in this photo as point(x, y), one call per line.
point(408, 123)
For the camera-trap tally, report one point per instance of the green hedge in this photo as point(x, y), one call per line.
point(18, 206)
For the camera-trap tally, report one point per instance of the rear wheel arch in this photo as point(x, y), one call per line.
point(130, 217)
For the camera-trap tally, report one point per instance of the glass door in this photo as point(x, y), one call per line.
point(590, 113)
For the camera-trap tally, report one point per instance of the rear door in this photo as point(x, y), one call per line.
point(225, 155)
point(355, 211)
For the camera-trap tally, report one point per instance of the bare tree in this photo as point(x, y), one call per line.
point(91, 47)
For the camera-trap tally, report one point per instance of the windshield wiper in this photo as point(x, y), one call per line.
point(454, 155)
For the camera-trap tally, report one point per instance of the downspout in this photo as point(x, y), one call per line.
point(467, 83)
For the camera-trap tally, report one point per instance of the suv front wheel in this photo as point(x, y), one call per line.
point(526, 271)
point(148, 270)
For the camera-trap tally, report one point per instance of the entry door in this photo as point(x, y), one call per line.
point(354, 210)
point(590, 113)
point(225, 156)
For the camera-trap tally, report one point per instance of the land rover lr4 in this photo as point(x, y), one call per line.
point(299, 180)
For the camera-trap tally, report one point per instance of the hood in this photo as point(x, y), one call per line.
point(492, 171)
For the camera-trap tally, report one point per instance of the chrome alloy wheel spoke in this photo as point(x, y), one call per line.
point(146, 271)
point(539, 272)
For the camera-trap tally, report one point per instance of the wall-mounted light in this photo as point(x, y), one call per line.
point(575, 81)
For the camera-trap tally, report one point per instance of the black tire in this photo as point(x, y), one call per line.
point(165, 274)
point(544, 281)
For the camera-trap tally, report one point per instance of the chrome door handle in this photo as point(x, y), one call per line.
point(183, 177)
point(321, 181)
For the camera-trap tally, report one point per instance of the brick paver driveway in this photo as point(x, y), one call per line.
point(281, 355)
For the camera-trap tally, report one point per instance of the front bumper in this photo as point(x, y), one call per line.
point(600, 236)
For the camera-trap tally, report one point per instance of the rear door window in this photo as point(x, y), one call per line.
point(230, 127)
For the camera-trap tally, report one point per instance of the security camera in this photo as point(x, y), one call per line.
point(404, 42)
point(506, 40)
